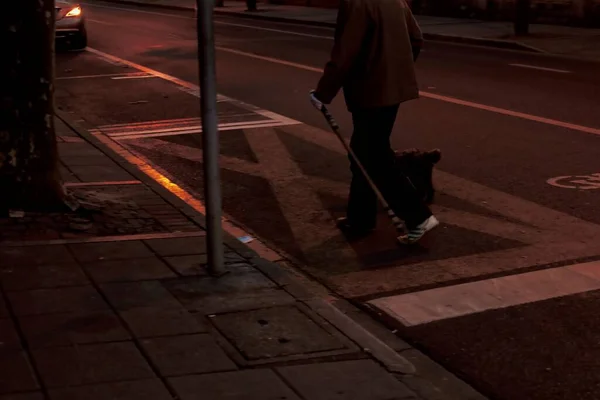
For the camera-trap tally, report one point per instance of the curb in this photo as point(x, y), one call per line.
point(436, 37)
point(292, 284)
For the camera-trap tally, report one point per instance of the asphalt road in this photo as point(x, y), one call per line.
point(506, 122)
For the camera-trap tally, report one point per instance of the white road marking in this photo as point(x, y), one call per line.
point(132, 74)
point(517, 114)
point(151, 123)
point(269, 59)
point(259, 28)
point(419, 308)
point(580, 182)
point(193, 130)
point(190, 87)
point(99, 22)
point(560, 71)
point(134, 77)
point(107, 183)
point(128, 132)
point(447, 99)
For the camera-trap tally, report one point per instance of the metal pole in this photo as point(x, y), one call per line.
point(210, 136)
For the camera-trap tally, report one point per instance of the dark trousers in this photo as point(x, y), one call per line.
point(371, 144)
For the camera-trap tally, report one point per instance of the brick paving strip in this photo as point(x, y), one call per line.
point(129, 312)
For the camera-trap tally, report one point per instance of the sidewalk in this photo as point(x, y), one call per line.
point(118, 305)
point(551, 39)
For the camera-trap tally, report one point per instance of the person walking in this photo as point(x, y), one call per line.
point(375, 47)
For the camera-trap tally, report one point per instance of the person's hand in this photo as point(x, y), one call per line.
point(318, 104)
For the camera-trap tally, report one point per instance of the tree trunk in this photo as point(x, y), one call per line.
point(29, 171)
point(522, 15)
point(251, 5)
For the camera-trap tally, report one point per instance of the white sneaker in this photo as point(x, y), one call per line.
point(414, 235)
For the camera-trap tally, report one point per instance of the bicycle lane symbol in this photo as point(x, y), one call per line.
point(580, 182)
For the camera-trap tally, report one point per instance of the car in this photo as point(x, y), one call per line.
point(70, 24)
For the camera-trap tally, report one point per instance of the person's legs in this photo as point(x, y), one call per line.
point(398, 191)
point(371, 144)
point(362, 202)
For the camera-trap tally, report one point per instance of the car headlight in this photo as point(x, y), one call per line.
point(75, 12)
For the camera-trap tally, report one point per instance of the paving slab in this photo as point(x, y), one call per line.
point(16, 374)
point(137, 269)
point(81, 161)
point(15, 278)
point(124, 296)
point(178, 246)
point(99, 173)
point(35, 255)
point(347, 380)
point(72, 329)
point(61, 300)
point(241, 280)
point(9, 339)
point(153, 322)
point(77, 149)
point(189, 354)
point(66, 174)
point(260, 384)
point(132, 390)
point(240, 301)
point(275, 332)
point(3, 310)
point(191, 265)
point(86, 364)
point(92, 252)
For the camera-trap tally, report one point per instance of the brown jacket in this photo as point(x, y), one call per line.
point(372, 57)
